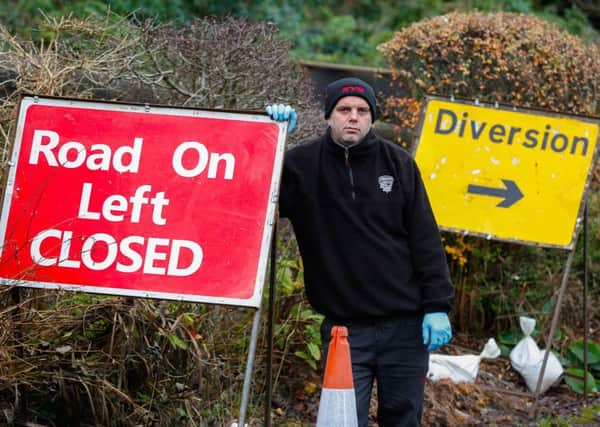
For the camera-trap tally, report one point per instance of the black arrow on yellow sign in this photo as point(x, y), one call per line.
point(511, 193)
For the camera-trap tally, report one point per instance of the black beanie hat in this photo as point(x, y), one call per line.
point(349, 86)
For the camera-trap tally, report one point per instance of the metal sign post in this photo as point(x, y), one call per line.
point(553, 325)
point(585, 301)
point(270, 326)
point(556, 316)
point(254, 338)
point(249, 366)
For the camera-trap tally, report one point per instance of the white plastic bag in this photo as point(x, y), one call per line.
point(462, 368)
point(527, 359)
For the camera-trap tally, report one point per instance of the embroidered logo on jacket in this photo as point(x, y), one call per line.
point(385, 183)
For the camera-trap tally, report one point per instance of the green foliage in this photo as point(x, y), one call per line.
point(318, 30)
point(570, 18)
point(575, 359)
point(589, 416)
point(290, 275)
point(576, 350)
point(298, 329)
point(29, 14)
point(507, 340)
point(554, 422)
point(496, 282)
point(348, 33)
point(575, 381)
point(310, 321)
point(593, 207)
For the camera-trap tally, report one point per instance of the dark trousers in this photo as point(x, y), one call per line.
point(390, 351)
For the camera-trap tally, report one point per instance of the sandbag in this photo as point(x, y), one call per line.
point(460, 368)
point(526, 358)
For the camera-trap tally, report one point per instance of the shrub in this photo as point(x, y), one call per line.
point(498, 57)
point(510, 59)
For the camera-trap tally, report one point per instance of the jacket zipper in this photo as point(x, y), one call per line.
point(350, 174)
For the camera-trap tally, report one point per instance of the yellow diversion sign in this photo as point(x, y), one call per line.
point(516, 175)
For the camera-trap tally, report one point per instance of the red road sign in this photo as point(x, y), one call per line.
point(143, 201)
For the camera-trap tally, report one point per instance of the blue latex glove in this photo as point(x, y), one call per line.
point(436, 330)
point(281, 113)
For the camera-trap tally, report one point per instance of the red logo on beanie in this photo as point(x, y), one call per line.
point(353, 89)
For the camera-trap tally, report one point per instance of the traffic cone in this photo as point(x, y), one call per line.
point(337, 407)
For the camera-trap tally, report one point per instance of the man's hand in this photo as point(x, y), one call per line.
point(281, 113)
point(436, 330)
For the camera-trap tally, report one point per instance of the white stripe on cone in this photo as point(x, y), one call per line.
point(337, 408)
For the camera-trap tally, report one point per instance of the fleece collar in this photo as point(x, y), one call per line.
point(361, 146)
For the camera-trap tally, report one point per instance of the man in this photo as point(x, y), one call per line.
point(373, 257)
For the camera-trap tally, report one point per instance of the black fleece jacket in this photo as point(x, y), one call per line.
point(365, 229)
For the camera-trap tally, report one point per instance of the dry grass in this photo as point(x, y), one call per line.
point(80, 359)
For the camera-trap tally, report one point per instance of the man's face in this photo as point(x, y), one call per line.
point(350, 120)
